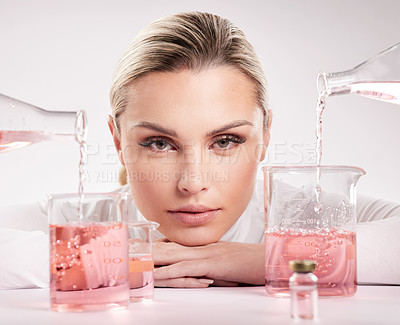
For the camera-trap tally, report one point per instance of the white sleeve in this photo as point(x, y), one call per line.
point(378, 251)
point(24, 246)
point(371, 209)
point(24, 259)
point(28, 217)
point(378, 241)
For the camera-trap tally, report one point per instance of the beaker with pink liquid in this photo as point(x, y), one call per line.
point(88, 252)
point(141, 263)
point(310, 213)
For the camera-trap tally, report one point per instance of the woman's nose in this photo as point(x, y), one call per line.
point(192, 181)
point(193, 174)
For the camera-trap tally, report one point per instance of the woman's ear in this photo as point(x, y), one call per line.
point(116, 137)
point(266, 135)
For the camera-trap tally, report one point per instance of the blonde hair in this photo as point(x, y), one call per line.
point(123, 176)
point(194, 41)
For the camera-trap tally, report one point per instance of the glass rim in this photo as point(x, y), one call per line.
point(143, 223)
point(313, 168)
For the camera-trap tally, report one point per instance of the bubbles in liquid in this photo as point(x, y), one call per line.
point(318, 207)
point(336, 265)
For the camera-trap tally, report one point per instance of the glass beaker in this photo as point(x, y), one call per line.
point(301, 225)
point(377, 78)
point(141, 263)
point(22, 124)
point(88, 252)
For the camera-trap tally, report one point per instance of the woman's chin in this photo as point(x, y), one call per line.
point(195, 237)
point(193, 243)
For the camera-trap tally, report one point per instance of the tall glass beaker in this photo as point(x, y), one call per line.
point(301, 225)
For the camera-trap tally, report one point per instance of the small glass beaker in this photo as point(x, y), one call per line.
point(141, 263)
point(310, 214)
point(23, 124)
point(88, 252)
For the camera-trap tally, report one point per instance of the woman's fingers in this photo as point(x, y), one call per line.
point(183, 283)
point(225, 262)
point(183, 269)
point(170, 253)
point(186, 271)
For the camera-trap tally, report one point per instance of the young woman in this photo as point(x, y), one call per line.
point(191, 124)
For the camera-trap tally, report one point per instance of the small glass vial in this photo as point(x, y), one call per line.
point(303, 289)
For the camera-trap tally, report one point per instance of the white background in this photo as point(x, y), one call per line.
point(60, 55)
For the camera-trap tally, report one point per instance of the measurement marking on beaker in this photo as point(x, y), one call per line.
point(115, 244)
point(308, 244)
point(116, 260)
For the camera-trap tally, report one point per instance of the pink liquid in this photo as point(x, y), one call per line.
point(88, 266)
point(141, 277)
point(387, 91)
point(10, 140)
point(333, 250)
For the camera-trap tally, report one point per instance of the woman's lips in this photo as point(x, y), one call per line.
point(194, 215)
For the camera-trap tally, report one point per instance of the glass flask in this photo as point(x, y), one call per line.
point(303, 289)
point(22, 124)
point(296, 230)
point(377, 78)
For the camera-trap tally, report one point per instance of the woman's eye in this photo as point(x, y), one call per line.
point(157, 144)
point(223, 143)
point(227, 142)
point(160, 144)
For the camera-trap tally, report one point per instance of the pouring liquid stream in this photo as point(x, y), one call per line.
point(82, 152)
point(81, 132)
point(320, 109)
point(387, 91)
point(22, 135)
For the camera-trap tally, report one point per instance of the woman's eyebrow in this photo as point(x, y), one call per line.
point(155, 127)
point(228, 126)
point(161, 129)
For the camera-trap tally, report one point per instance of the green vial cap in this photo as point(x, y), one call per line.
point(302, 266)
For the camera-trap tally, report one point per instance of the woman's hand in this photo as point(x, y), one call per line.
point(222, 263)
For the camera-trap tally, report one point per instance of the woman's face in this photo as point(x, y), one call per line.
point(191, 143)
